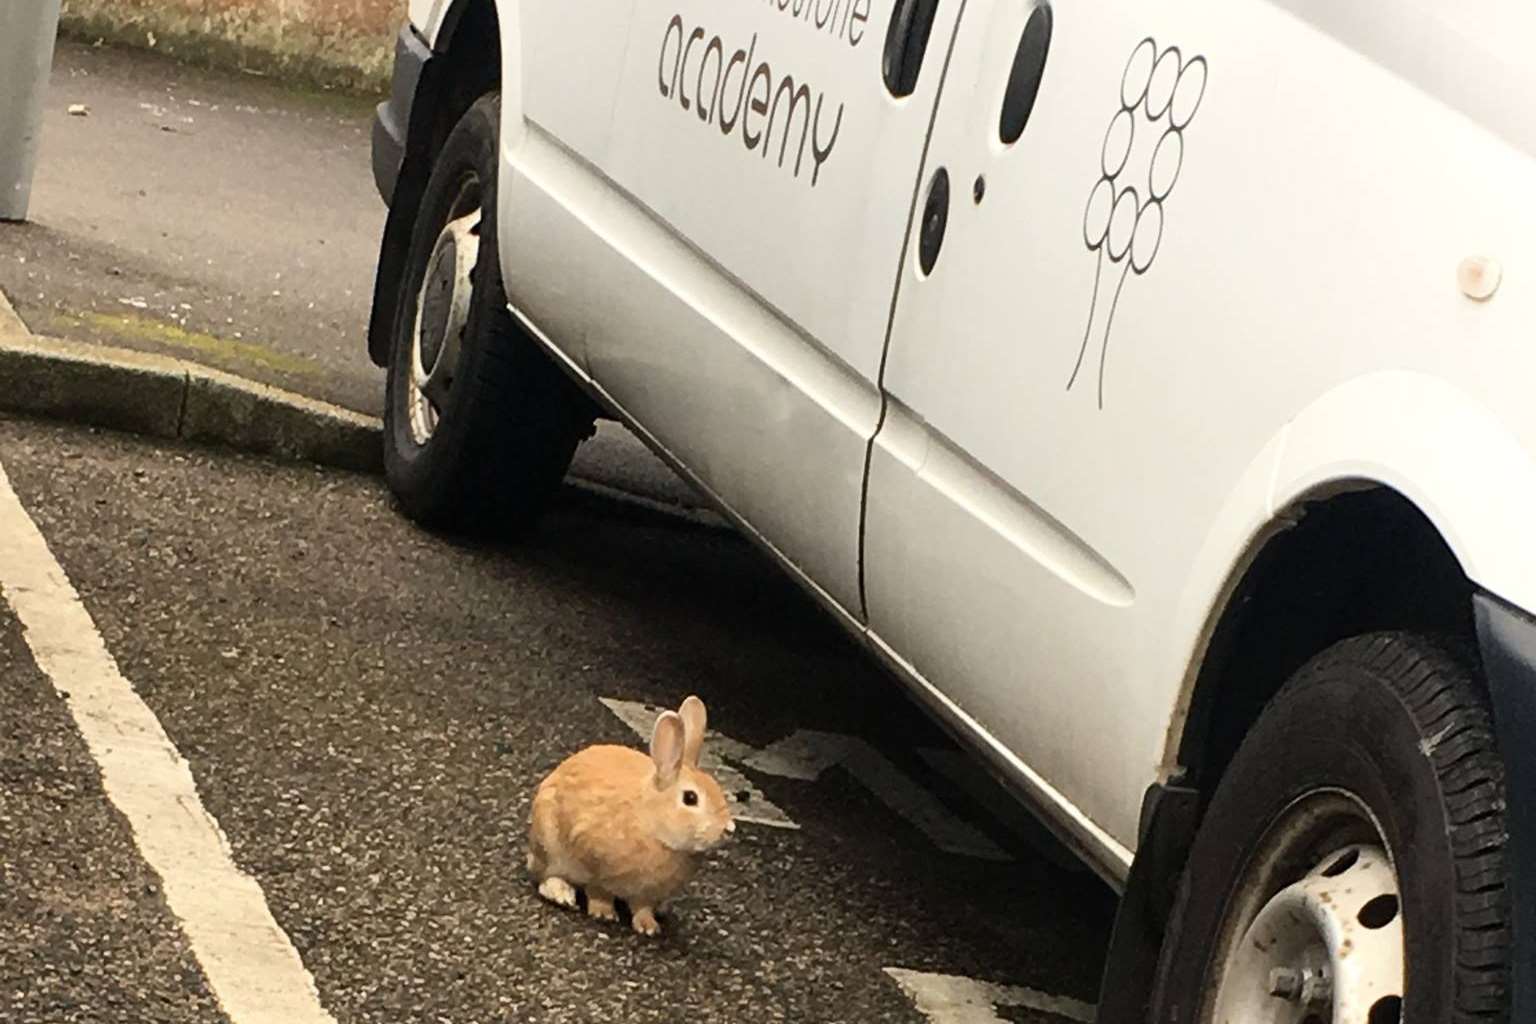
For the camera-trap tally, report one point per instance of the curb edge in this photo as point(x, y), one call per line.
point(169, 398)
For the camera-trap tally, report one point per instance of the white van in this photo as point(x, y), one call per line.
point(1148, 384)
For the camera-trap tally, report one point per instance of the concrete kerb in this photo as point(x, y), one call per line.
point(173, 399)
point(168, 398)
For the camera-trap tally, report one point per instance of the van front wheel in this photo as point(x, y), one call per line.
point(1351, 866)
point(479, 424)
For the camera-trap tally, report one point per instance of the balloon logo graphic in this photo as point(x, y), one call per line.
point(1160, 93)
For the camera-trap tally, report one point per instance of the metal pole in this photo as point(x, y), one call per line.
point(27, 32)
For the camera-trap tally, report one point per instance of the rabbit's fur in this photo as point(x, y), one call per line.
point(620, 825)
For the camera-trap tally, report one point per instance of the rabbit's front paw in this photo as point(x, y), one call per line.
point(645, 922)
point(558, 891)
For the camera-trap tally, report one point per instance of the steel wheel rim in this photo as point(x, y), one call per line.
point(1315, 932)
point(442, 313)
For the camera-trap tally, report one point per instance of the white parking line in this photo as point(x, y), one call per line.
point(951, 999)
point(251, 967)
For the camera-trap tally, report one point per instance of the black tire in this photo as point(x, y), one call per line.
point(1401, 725)
point(511, 420)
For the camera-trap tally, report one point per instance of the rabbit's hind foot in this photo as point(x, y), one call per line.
point(600, 906)
point(645, 921)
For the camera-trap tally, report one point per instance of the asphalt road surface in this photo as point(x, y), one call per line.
point(365, 709)
point(229, 220)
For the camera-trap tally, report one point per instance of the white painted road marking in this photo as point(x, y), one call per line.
point(950, 999)
point(252, 968)
point(757, 809)
point(805, 755)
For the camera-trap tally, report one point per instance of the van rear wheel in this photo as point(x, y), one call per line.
point(479, 424)
point(1351, 866)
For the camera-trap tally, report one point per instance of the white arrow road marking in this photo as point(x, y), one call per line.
point(968, 776)
point(951, 999)
point(252, 968)
point(757, 809)
point(806, 754)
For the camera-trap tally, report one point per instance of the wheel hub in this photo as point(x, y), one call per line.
point(442, 311)
point(1327, 949)
point(438, 294)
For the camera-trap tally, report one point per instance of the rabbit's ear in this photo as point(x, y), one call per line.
point(694, 719)
point(667, 748)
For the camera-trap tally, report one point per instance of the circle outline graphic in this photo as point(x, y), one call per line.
point(1178, 168)
point(1130, 144)
point(1129, 190)
point(1136, 233)
point(1094, 246)
point(1205, 77)
point(1125, 75)
point(1178, 59)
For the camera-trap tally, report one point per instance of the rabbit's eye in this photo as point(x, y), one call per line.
point(690, 798)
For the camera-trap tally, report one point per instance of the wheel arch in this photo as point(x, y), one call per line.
point(1441, 489)
point(1349, 557)
point(468, 43)
point(1391, 501)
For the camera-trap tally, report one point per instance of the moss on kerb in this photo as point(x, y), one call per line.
point(297, 43)
point(146, 334)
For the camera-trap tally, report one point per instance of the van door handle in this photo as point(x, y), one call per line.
point(930, 238)
point(1028, 70)
point(906, 40)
